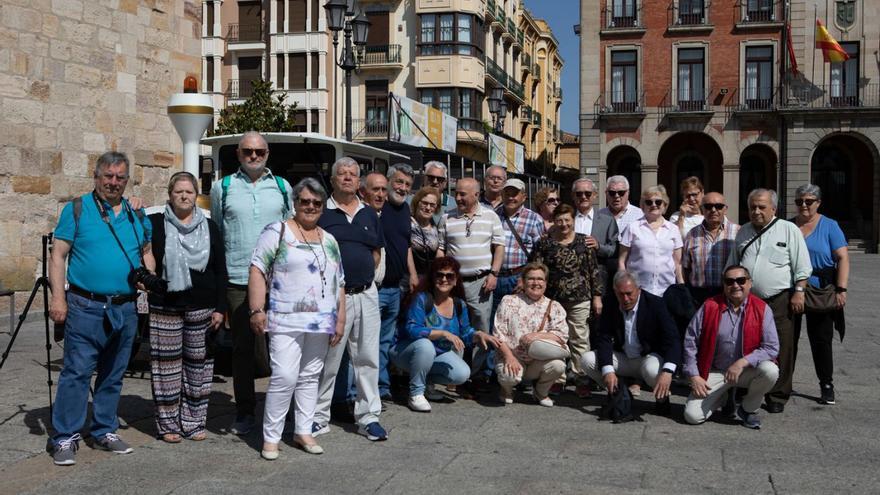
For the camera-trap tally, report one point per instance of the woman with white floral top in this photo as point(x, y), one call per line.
point(306, 313)
point(518, 323)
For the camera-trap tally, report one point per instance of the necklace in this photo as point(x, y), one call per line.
point(321, 269)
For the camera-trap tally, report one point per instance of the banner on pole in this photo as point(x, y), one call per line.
point(507, 154)
point(417, 124)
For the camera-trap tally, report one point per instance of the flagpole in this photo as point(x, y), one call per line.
point(815, 23)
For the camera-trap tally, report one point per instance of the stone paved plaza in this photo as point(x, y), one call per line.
point(480, 447)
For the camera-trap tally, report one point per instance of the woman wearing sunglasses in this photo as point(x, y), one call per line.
point(432, 339)
point(546, 200)
point(424, 235)
point(830, 259)
point(651, 247)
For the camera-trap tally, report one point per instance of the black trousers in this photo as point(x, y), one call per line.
point(243, 340)
point(820, 330)
point(784, 319)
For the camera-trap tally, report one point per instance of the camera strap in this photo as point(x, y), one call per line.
point(106, 217)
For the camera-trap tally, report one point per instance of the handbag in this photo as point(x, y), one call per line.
point(262, 362)
point(545, 350)
point(822, 300)
point(618, 407)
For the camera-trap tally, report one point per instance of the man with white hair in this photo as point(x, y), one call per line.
point(356, 228)
point(493, 186)
point(619, 207)
point(436, 176)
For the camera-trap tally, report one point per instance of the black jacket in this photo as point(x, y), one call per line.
point(654, 325)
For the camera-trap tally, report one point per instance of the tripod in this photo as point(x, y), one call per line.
point(42, 282)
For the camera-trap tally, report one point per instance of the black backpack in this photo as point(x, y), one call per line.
point(619, 406)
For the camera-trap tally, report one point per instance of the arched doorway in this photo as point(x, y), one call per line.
point(757, 169)
point(843, 166)
point(626, 161)
point(686, 154)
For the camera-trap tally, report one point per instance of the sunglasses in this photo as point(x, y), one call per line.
point(444, 276)
point(729, 281)
point(802, 202)
point(653, 202)
point(617, 193)
point(316, 203)
point(552, 200)
point(261, 152)
point(435, 178)
point(714, 206)
point(583, 194)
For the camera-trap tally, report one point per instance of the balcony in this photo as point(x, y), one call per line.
point(516, 87)
point(526, 62)
point(244, 33)
point(490, 11)
point(689, 16)
point(369, 128)
point(833, 97)
point(622, 20)
point(629, 104)
point(520, 37)
point(525, 114)
point(511, 26)
point(239, 89)
point(753, 101)
point(496, 72)
point(380, 56)
point(689, 105)
point(536, 118)
point(759, 14)
point(536, 72)
point(557, 93)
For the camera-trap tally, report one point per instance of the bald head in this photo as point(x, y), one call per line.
point(467, 194)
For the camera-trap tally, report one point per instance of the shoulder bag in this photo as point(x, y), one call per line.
point(262, 362)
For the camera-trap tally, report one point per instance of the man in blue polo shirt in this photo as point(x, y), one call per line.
point(106, 241)
point(356, 229)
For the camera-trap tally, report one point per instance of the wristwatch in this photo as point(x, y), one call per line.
point(252, 312)
point(799, 289)
point(494, 273)
point(840, 289)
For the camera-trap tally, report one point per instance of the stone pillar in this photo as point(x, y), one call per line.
point(730, 190)
point(649, 178)
point(217, 24)
point(218, 66)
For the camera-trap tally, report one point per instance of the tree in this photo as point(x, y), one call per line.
point(263, 111)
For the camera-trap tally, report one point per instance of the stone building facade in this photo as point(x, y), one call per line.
point(78, 78)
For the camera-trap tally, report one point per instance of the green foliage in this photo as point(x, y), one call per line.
point(263, 111)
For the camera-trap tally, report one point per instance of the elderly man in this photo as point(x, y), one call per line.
point(356, 229)
point(473, 235)
point(775, 253)
point(436, 176)
point(522, 229)
point(601, 229)
point(730, 342)
point(636, 336)
point(619, 207)
point(241, 205)
point(493, 187)
point(707, 247)
point(106, 240)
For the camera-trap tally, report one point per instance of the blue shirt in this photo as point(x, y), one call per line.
point(421, 320)
point(396, 230)
point(96, 262)
point(249, 208)
point(358, 237)
point(821, 243)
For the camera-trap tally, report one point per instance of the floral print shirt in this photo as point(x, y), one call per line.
point(519, 315)
point(574, 271)
point(305, 280)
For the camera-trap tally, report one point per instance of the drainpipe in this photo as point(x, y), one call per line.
point(783, 125)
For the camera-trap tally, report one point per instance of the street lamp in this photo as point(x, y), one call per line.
point(497, 107)
point(355, 27)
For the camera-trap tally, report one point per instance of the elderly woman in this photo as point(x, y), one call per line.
point(688, 215)
point(305, 314)
point(574, 282)
point(437, 330)
point(188, 249)
point(545, 202)
point(651, 247)
point(521, 320)
point(830, 259)
point(424, 236)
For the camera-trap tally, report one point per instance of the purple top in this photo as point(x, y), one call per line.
point(728, 343)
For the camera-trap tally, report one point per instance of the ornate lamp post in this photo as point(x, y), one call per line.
point(341, 17)
point(498, 108)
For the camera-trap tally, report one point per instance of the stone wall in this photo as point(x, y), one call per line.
point(77, 78)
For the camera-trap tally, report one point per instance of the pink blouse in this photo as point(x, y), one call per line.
point(519, 315)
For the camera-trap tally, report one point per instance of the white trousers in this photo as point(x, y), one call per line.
point(644, 367)
point(362, 322)
point(297, 359)
point(758, 380)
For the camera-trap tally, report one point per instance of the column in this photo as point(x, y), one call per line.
point(730, 190)
point(649, 178)
point(217, 29)
point(218, 66)
point(273, 16)
point(205, 7)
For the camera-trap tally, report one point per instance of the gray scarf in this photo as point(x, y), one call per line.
point(186, 247)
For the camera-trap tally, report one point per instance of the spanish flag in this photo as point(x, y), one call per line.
point(831, 49)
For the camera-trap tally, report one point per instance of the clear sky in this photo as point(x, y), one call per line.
point(562, 15)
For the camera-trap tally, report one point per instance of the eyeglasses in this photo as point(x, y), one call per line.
point(260, 152)
point(444, 275)
point(729, 281)
point(583, 194)
point(316, 203)
point(495, 178)
point(714, 206)
point(653, 202)
point(802, 202)
point(427, 206)
point(617, 193)
point(435, 178)
point(552, 200)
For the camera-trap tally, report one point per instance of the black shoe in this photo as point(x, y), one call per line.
point(774, 407)
point(729, 409)
point(827, 394)
point(663, 407)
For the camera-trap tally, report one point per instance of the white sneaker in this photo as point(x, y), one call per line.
point(546, 401)
point(419, 403)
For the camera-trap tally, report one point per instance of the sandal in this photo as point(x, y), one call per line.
point(198, 436)
point(171, 438)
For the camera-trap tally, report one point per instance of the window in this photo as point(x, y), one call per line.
point(209, 75)
point(297, 16)
point(759, 11)
point(210, 21)
point(465, 104)
point(691, 12)
point(691, 70)
point(623, 13)
point(845, 78)
point(444, 101)
point(296, 71)
point(624, 81)
point(446, 34)
point(759, 77)
point(377, 108)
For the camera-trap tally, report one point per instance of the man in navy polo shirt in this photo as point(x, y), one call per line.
point(105, 243)
point(356, 229)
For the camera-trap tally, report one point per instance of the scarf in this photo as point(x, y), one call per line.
point(187, 247)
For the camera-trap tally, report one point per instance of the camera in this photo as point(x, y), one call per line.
point(153, 283)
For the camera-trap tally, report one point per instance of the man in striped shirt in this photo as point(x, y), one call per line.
point(707, 247)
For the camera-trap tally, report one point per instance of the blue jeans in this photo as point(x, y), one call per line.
point(96, 335)
point(424, 365)
point(389, 309)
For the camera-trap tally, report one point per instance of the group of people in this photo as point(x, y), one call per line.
point(331, 293)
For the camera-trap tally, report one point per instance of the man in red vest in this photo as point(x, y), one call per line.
point(730, 342)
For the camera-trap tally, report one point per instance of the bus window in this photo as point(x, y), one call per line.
point(380, 165)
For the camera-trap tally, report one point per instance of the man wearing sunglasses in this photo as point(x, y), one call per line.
point(775, 252)
point(619, 207)
point(707, 247)
point(435, 176)
point(241, 205)
point(730, 342)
